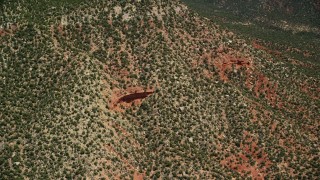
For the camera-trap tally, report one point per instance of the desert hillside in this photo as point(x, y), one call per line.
point(294, 11)
point(148, 90)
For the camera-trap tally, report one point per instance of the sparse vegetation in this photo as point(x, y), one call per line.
point(148, 89)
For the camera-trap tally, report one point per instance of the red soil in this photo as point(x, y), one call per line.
point(256, 45)
point(2, 33)
point(274, 126)
point(138, 176)
point(264, 86)
point(207, 73)
point(311, 90)
point(226, 63)
point(240, 162)
point(302, 64)
point(254, 114)
point(8, 31)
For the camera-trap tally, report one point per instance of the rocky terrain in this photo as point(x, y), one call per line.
point(149, 90)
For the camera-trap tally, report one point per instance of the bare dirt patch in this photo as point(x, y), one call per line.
point(226, 63)
point(138, 176)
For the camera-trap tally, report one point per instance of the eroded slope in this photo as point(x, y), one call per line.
point(219, 107)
